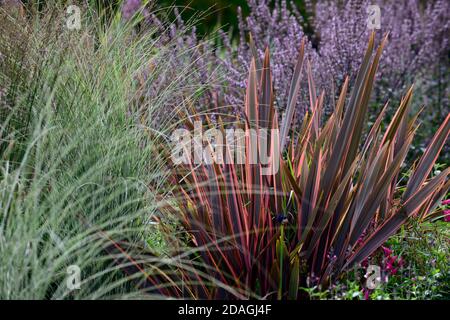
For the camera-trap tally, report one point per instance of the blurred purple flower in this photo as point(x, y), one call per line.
point(130, 7)
point(418, 43)
point(279, 29)
point(192, 73)
point(418, 39)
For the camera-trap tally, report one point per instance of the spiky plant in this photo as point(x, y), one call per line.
point(335, 199)
point(346, 181)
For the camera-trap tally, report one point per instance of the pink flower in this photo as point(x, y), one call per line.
point(389, 266)
point(387, 252)
point(446, 202)
point(366, 294)
point(393, 263)
point(365, 263)
point(447, 215)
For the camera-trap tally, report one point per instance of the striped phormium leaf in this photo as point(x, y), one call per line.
point(335, 199)
point(231, 209)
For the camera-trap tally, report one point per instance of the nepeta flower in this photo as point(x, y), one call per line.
point(418, 40)
point(417, 47)
point(418, 44)
point(130, 7)
point(279, 29)
point(192, 74)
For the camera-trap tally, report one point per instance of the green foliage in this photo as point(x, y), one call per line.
point(79, 170)
point(424, 247)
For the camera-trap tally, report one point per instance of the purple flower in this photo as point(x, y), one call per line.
point(418, 39)
point(130, 7)
point(193, 73)
point(279, 29)
point(417, 45)
point(418, 42)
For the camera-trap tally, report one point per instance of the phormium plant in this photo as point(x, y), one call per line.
point(333, 202)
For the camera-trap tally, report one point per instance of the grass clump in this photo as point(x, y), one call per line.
point(79, 169)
